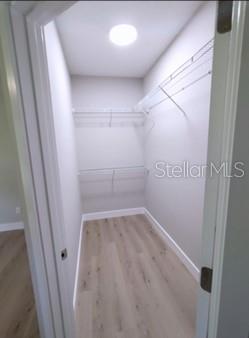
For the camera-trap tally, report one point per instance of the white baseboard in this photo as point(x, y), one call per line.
point(113, 213)
point(76, 282)
point(174, 246)
point(11, 226)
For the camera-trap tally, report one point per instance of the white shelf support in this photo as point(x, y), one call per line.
point(172, 100)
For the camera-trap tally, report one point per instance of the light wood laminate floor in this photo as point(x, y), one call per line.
point(17, 309)
point(131, 284)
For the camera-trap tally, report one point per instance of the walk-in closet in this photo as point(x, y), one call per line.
point(130, 86)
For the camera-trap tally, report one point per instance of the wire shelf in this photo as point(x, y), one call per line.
point(130, 178)
point(121, 172)
point(195, 69)
point(108, 117)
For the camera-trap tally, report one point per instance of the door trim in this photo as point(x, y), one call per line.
point(35, 22)
point(230, 112)
point(226, 67)
point(14, 106)
point(44, 238)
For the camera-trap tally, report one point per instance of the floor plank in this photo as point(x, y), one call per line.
point(17, 312)
point(132, 284)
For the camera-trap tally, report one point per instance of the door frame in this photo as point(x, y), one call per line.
point(229, 110)
point(34, 21)
point(14, 107)
point(222, 121)
point(22, 47)
point(30, 116)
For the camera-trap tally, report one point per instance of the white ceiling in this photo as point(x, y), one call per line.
point(84, 30)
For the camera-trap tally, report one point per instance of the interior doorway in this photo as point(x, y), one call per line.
point(98, 193)
point(122, 116)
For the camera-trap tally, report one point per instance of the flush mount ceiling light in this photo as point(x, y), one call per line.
point(123, 35)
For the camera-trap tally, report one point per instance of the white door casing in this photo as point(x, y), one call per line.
point(32, 221)
point(226, 66)
point(57, 317)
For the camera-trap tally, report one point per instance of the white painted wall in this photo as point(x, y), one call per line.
point(104, 147)
point(177, 204)
point(10, 197)
point(65, 141)
point(100, 92)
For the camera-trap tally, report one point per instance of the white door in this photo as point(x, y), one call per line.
point(226, 65)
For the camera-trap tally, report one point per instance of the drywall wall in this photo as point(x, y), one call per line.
point(101, 92)
point(10, 197)
point(101, 146)
point(65, 142)
point(233, 306)
point(177, 203)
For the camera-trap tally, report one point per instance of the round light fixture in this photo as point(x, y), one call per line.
point(123, 35)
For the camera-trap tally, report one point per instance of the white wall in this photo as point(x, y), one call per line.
point(101, 92)
point(105, 147)
point(10, 197)
point(65, 141)
point(178, 203)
